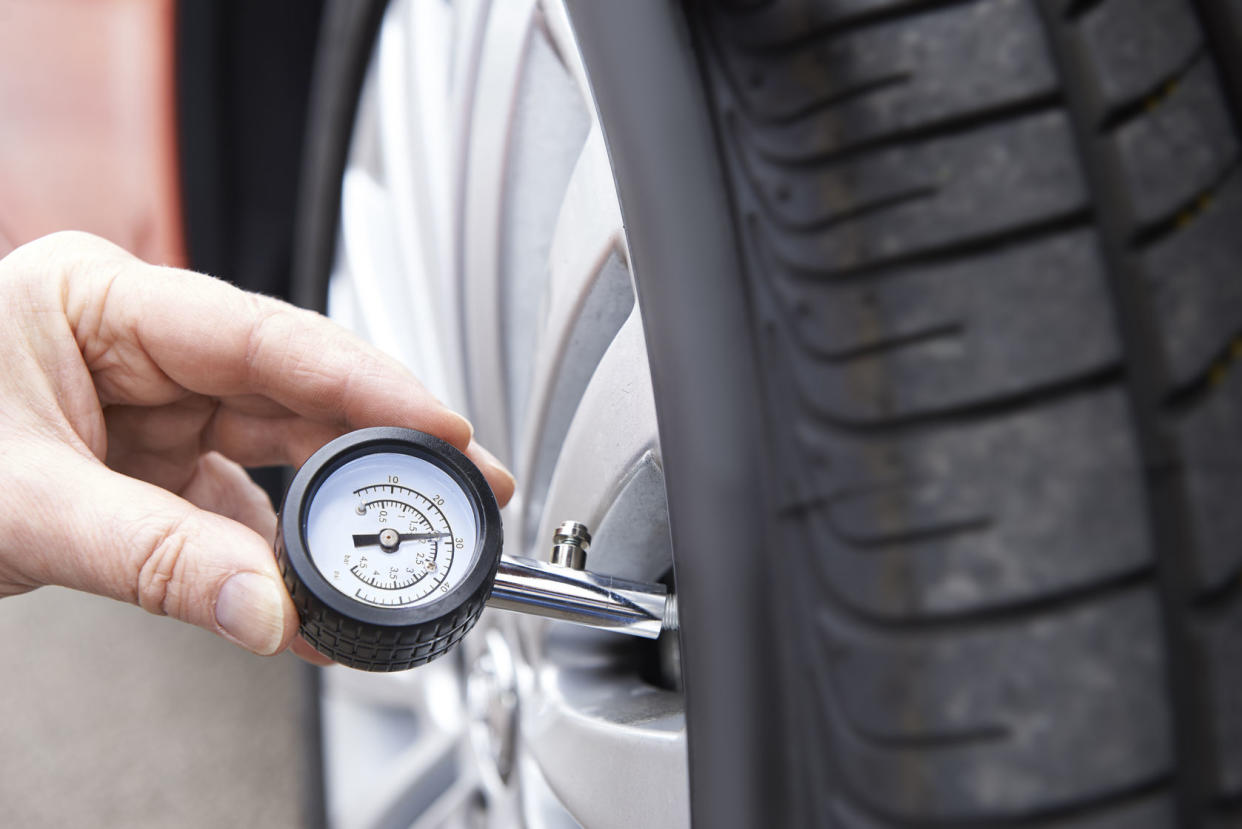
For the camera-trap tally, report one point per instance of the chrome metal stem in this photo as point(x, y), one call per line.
point(526, 585)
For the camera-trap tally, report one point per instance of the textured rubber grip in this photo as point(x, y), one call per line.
point(371, 648)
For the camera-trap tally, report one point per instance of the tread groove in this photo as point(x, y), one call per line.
point(1195, 391)
point(944, 531)
point(1218, 599)
point(941, 254)
point(851, 24)
point(1152, 98)
point(816, 107)
point(1184, 214)
point(1081, 810)
point(1145, 373)
point(1215, 22)
point(860, 211)
point(942, 128)
point(1004, 404)
point(984, 619)
point(1076, 9)
point(950, 330)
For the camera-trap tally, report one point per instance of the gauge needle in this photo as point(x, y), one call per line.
point(374, 538)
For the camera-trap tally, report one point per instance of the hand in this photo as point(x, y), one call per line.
point(131, 395)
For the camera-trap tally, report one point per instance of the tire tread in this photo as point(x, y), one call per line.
point(949, 260)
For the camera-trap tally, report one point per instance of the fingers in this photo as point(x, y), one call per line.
point(266, 441)
point(141, 327)
point(223, 487)
point(149, 334)
point(263, 441)
point(160, 444)
point(304, 650)
point(89, 528)
point(498, 477)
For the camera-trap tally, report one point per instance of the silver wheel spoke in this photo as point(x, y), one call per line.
point(387, 690)
point(413, 173)
point(589, 296)
point(595, 732)
point(403, 778)
point(560, 32)
point(393, 185)
point(451, 808)
point(417, 780)
point(612, 440)
point(504, 44)
point(550, 126)
point(367, 233)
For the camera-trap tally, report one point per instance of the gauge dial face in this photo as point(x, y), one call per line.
point(391, 530)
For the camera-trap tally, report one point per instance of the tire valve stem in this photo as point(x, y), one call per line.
point(671, 620)
point(564, 589)
point(569, 545)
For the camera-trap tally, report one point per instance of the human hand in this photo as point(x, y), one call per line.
point(130, 397)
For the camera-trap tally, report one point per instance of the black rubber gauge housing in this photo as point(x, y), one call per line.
point(363, 635)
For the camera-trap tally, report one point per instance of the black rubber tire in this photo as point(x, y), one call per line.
point(991, 249)
point(345, 39)
point(947, 287)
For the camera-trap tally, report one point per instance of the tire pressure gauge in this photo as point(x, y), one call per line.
point(389, 541)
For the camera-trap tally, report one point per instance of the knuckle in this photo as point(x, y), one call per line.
point(57, 250)
point(160, 567)
point(306, 351)
point(272, 327)
point(62, 263)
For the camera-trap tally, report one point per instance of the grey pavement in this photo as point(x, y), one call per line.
point(111, 717)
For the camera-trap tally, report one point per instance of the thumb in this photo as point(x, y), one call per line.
point(93, 529)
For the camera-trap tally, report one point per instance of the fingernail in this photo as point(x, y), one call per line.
point(493, 462)
point(250, 608)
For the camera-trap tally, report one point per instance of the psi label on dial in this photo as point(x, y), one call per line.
point(391, 530)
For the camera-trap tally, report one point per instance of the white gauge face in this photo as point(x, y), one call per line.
point(391, 530)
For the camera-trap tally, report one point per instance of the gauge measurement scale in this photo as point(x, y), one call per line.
point(389, 541)
point(399, 513)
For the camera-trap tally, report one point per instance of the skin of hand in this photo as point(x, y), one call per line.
point(132, 395)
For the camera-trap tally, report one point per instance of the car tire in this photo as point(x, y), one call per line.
point(942, 320)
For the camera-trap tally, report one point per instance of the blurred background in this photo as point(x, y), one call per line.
point(175, 129)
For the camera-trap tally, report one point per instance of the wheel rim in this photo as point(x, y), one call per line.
point(499, 275)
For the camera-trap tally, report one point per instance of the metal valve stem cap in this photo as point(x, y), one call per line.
point(569, 545)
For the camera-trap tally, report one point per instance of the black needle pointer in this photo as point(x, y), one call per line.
point(374, 538)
